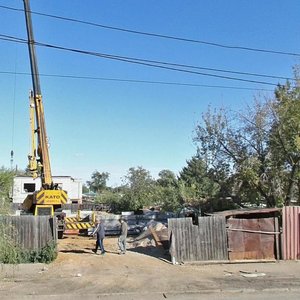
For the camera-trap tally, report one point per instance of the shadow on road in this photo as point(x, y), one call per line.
point(157, 252)
point(76, 251)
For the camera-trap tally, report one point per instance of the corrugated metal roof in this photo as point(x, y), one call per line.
point(235, 212)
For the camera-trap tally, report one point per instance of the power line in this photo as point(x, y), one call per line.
point(149, 63)
point(215, 44)
point(137, 81)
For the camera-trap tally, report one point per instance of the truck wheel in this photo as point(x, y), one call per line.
point(60, 234)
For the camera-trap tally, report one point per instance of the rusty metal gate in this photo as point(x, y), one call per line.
point(251, 238)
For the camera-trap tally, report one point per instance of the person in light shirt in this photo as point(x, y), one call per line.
point(123, 236)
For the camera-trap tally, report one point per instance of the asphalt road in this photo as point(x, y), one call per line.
point(218, 295)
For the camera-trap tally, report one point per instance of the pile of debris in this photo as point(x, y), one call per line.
point(154, 234)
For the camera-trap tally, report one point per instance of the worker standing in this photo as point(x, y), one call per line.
point(100, 232)
point(123, 236)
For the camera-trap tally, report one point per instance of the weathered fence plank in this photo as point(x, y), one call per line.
point(30, 232)
point(202, 242)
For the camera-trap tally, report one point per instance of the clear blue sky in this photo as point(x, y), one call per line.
point(112, 126)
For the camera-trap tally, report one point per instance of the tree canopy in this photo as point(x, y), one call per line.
point(250, 156)
point(98, 181)
point(256, 150)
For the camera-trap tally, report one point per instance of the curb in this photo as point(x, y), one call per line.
point(134, 295)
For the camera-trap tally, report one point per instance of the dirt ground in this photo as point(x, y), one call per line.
point(142, 273)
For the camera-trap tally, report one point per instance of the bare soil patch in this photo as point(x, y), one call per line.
point(78, 271)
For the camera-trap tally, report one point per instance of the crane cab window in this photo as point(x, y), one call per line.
point(29, 187)
point(59, 186)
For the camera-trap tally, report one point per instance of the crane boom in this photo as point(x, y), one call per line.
point(31, 48)
point(42, 151)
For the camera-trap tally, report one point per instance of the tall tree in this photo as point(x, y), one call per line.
point(235, 146)
point(196, 182)
point(285, 139)
point(139, 188)
point(167, 178)
point(259, 147)
point(167, 191)
point(98, 181)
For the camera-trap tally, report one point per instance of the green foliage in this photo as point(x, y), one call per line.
point(85, 189)
point(113, 197)
point(197, 184)
point(139, 189)
point(98, 182)
point(169, 198)
point(253, 154)
point(11, 253)
point(285, 139)
point(46, 255)
point(248, 157)
point(235, 146)
point(167, 179)
point(167, 193)
point(6, 181)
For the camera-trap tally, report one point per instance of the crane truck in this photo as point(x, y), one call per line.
point(49, 198)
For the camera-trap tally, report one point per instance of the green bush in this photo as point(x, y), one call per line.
point(8, 250)
point(46, 255)
point(11, 253)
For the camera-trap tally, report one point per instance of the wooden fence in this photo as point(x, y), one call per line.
point(202, 242)
point(30, 232)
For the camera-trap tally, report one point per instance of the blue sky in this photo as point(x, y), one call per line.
point(112, 126)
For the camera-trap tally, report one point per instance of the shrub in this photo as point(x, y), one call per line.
point(11, 253)
point(46, 255)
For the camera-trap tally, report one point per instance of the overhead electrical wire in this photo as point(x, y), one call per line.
point(139, 81)
point(149, 63)
point(215, 44)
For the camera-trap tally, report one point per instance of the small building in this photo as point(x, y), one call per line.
point(26, 185)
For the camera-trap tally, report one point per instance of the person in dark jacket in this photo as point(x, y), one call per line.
point(100, 232)
point(123, 236)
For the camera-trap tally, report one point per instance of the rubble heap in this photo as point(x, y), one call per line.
point(154, 234)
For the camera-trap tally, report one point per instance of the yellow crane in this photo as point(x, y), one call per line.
point(49, 198)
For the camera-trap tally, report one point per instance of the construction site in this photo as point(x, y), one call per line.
point(185, 246)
